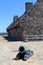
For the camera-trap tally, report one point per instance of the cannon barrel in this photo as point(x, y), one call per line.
point(23, 49)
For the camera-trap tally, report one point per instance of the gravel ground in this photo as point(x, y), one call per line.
point(9, 50)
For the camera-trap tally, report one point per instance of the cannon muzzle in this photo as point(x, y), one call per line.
point(21, 49)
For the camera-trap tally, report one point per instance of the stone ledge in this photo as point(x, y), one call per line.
point(33, 37)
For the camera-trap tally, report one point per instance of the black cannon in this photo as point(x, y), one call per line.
point(24, 53)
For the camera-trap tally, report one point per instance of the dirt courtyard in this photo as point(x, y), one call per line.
point(9, 50)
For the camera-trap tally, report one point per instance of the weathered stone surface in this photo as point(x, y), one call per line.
point(30, 23)
point(28, 6)
point(40, 0)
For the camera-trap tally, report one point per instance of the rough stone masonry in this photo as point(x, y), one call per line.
point(30, 23)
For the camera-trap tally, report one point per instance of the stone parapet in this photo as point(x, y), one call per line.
point(15, 18)
point(28, 5)
point(39, 0)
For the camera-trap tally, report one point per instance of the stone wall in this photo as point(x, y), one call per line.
point(15, 34)
point(31, 22)
point(28, 6)
point(39, 0)
point(33, 37)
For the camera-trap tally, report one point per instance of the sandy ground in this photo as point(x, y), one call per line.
point(9, 50)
